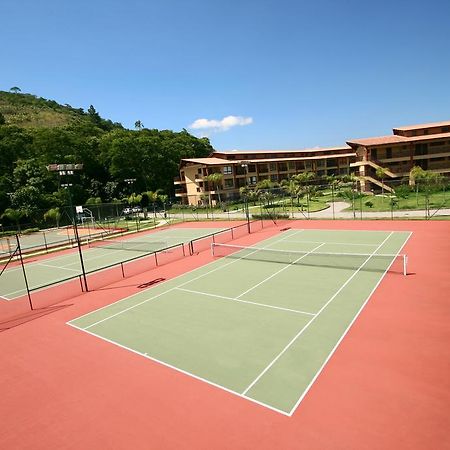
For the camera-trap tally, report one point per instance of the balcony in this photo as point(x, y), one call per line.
point(178, 181)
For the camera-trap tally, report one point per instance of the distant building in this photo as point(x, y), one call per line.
point(427, 146)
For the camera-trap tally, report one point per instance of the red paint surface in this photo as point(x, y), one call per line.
point(386, 387)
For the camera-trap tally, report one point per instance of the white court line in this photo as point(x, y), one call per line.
point(236, 299)
point(333, 243)
point(172, 289)
point(175, 368)
point(139, 293)
point(312, 320)
point(58, 267)
point(163, 363)
point(279, 271)
point(345, 333)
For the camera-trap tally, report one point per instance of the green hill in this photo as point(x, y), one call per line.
point(35, 132)
point(30, 111)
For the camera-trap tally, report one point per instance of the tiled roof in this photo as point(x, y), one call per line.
point(208, 161)
point(385, 140)
point(305, 150)
point(423, 125)
point(227, 162)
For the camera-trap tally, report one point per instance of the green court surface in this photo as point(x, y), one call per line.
point(257, 323)
point(101, 254)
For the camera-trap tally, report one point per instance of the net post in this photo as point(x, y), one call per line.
point(81, 283)
point(212, 248)
point(24, 272)
point(405, 259)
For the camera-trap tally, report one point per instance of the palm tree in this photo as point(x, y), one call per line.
point(14, 215)
point(53, 214)
point(293, 189)
point(138, 125)
point(304, 179)
point(216, 180)
point(164, 198)
point(380, 174)
point(15, 89)
point(253, 196)
point(153, 198)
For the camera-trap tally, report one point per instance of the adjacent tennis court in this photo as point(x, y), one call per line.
point(260, 322)
point(97, 255)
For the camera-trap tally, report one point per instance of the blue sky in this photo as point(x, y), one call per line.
point(285, 74)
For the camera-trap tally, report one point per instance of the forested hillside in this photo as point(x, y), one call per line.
point(35, 132)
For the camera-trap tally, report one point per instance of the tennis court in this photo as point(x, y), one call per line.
point(97, 255)
point(259, 322)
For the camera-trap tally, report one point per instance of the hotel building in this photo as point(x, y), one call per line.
point(426, 145)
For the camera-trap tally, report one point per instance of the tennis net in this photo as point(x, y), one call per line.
point(136, 246)
point(377, 262)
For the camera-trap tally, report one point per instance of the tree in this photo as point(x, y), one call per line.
point(94, 116)
point(292, 188)
point(15, 89)
point(14, 215)
point(138, 125)
point(54, 215)
point(381, 174)
point(2, 119)
point(153, 198)
point(134, 199)
point(144, 203)
point(164, 199)
point(216, 180)
point(427, 182)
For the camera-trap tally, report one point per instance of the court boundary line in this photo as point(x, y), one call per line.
point(333, 243)
point(184, 372)
point(305, 327)
point(305, 392)
point(59, 257)
point(237, 299)
point(171, 289)
point(288, 414)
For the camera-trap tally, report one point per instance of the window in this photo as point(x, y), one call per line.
point(252, 168)
point(332, 162)
point(421, 149)
point(282, 166)
point(252, 180)
point(227, 170)
point(263, 168)
point(388, 152)
point(274, 178)
point(291, 165)
point(321, 163)
point(373, 153)
point(228, 183)
point(273, 167)
point(445, 129)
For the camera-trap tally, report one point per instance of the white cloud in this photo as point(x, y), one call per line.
point(212, 125)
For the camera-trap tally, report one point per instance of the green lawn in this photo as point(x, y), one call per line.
point(383, 203)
